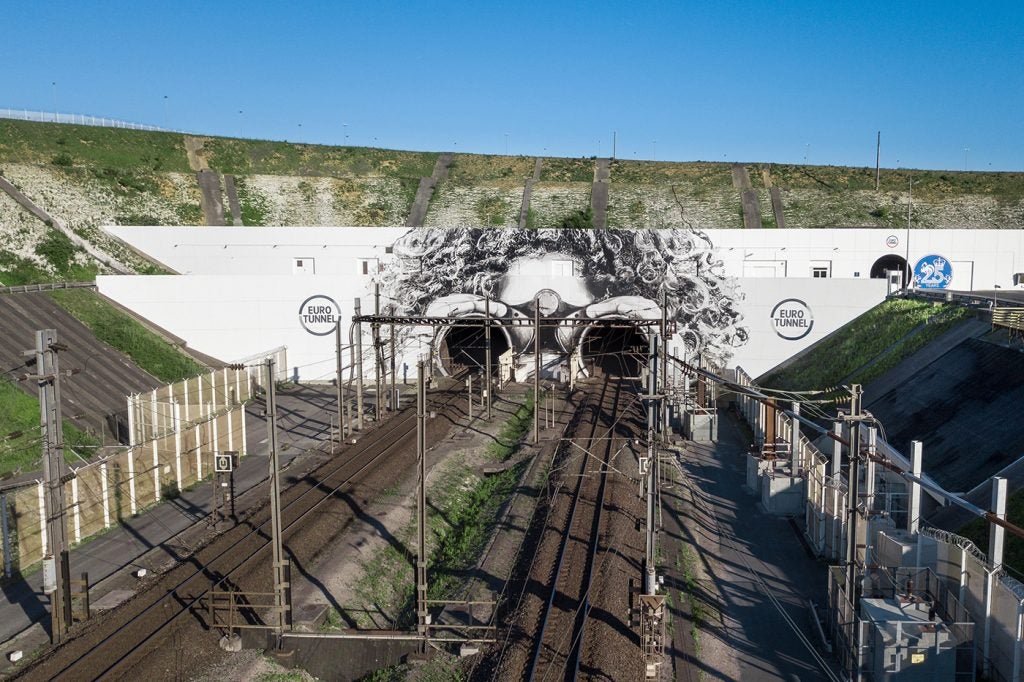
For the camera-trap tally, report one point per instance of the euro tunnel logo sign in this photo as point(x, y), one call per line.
point(933, 272)
point(792, 319)
point(319, 315)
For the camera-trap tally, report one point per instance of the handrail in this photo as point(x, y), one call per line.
point(45, 286)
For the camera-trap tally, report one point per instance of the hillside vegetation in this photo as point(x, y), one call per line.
point(867, 346)
point(90, 176)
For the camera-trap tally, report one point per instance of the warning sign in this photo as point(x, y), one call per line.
point(223, 462)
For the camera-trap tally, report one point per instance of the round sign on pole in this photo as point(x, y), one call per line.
point(933, 272)
point(319, 315)
point(892, 241)
point(792, 319)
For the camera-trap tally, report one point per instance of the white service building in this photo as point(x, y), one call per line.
point(240, 289)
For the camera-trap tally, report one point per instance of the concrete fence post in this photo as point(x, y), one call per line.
point(215, 445)
point(795, 456)
point(914, 508)
point(213, 389)
point(77, 510)
point(1018, 644)
point(105, 494)
point(245, 442)
point(199, 400)
point(131, 419)
point(152, 414)
point(177, 444)
point(6, 534)
point(42, 518)
point(131, 482)
point(156, 471)
point(231, 431)
point(837, 449)
point(996, 537)
point(199, 452)
point(186, 399)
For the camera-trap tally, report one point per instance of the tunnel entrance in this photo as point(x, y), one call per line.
point(614, 351)
point(890, 262)
point(465, 347)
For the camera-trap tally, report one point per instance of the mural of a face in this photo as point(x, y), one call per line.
point(569, 273)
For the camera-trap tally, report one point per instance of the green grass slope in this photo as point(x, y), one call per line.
point(116, 329)
point(148, 179)
point(867, 346)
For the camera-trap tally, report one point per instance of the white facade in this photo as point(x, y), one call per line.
point(242, 289)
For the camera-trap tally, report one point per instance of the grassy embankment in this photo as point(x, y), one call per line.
point(117, 329)
point(20, 438)
point(464, 509)
point(868, 346)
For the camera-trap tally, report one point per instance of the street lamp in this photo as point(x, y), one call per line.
point(506, 144)
point(165, 113)
point(54, 84)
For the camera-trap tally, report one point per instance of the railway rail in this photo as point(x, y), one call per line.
point(110, 644)
point(583, 536)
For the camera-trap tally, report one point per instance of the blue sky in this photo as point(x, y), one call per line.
point(680, 81)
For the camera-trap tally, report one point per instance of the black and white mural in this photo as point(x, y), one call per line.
point(586, 274)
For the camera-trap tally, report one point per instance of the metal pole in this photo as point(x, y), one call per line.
point(469, 394)
point(340, 387)
point(421, 504)
point(359, 368)
point(275, 500)
point(393, 402)
point(6, 535)
point(375, 329)
point(650, 582)
point(51, 425)
point(853, 493)
point(664, 364)
point(878, 160)
point(536, 370)
point(487, 357)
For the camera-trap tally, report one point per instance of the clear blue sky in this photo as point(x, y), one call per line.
point(706, 80)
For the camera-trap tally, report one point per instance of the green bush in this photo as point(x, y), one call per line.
point(581, 219)
point(58, 250)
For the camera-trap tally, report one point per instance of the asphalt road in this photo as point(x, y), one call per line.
point(755, 574)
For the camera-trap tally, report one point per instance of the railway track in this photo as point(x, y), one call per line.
point(110, 644)
point(580, 533)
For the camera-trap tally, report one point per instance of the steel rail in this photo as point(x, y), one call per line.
point(579, 619)
point(186, 603)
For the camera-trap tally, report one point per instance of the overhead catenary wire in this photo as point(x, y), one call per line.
point(756, 394)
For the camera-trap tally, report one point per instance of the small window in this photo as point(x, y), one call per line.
point(819, 273)
point(366, 267)
point(304, 266)
point(562, 268)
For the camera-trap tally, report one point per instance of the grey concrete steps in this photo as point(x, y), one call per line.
point(92, 398)
point(425, 191)
point(599, 193)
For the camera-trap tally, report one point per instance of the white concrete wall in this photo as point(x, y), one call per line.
point(832, 303)
point(980, 258)
point(234, 316)
point(231, 317)
point(242, 290)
